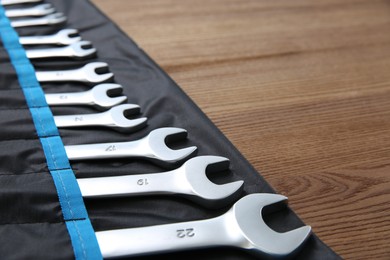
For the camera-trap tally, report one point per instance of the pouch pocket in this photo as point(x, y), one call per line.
point(16, 124)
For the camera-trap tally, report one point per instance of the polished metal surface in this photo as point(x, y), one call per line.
point(151, 147)
point(77, 50)
point(62, 37)
point(190, 181)
point(115, 118)
point(87, 74)
point(38, 10)
point(102, 97)
point(50, 19)
point(241, 227)
point(11, 2)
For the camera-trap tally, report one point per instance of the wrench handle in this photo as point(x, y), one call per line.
point(48, 53)
point(29, 22)
point(164, 238)
point(59, 76)
point(77, 98)
point(129, 185)
point(79, 120)
point(32, 40)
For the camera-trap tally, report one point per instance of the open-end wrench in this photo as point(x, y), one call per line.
point(151, 147)
point(189, 181)
point(77, 50)
point(87, 74)
point(62, 37)
point(115, 118)
point(38, 10)
point(50, 19)
point(102, 97)
point(12, 2)
point(241, 227)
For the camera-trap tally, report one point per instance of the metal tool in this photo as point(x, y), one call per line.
point(50, 19)
point(241, 227)
point(11, 2)
point(151, 147)
point(102, 97)
point(38, 10)
point(77, 50)
point(62, 37)
point(189, 180)
point(115, 118)
point(87, 74)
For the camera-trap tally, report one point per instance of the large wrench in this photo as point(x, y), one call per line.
point(77, 50)
point(151, 147)
point(11, 2)
point(115, 118)
point(87, 74)
point(189, 180)
point(102, 97)
point(241, 227)
point(38, 10)
point(62, 37)
point(50, 19)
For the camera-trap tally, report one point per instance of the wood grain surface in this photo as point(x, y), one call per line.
point(301, 88)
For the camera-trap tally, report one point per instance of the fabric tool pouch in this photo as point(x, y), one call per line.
point(42, 213)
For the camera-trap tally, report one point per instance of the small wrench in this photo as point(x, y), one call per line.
point(50, 19)
point(241, 227)
point(100, 96)
point(38, 10)
point(87, 74)
point(12, 2)
point(151, 147)
point(189, 180)
point(77, 50)
point(62, 37)
point(115, 118)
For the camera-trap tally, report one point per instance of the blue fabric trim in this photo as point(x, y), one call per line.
point(82, 235)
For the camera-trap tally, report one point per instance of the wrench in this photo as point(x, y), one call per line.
point(77, 50)
point(241, 227)
point(87, 74)
point(38, 10)
point(151, 147)
point(62, 37)
point(99, 96)
point(50, 19)
point(11, 2)
point(189, 180)
point(115, 118)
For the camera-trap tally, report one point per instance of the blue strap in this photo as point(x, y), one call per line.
point(82, 235)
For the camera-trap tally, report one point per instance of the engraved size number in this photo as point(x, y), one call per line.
point(78, 119)
point(111, 148)
point(63, 97)
point(183, 233)
point(142, 182)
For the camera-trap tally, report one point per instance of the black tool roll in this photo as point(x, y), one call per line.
point(32, 224)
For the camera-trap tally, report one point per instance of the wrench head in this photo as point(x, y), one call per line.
point(201, 189)
point(257, 237)
point(119, 118)
point(55, 18)
point(155, 144)
point(96, 72)
point(44, 9)
point(107, 95)
point(81, 49)
point(68, 36)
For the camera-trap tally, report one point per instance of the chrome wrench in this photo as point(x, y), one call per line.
point(115, 118)
point(50, 19)
point(62, 37)
point(189, 181)
point(77, 50)
point(241, 227)
point(38, 10)
point(87, 74)
point(12, 2)
point(151, 147)
point(102, 97)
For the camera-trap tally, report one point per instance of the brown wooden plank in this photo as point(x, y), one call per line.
point(302, 88)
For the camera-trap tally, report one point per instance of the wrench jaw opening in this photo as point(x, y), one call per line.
point(81, 50)
point(160, 153)
point(121, 121)
point(68, 36)
point(257, 237)
point(56, 18)
point(202, 190)
point(107, 95)
point(96, 72)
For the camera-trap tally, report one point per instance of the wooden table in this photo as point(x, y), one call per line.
point(302, 89)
